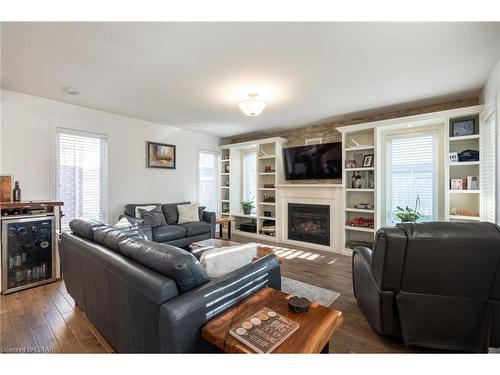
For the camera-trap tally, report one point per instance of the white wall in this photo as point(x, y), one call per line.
point(490, 96)
point(27, 144)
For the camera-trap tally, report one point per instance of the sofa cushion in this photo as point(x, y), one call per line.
point(167, 233)
point(195, 228)
point(188, 213)
point(110, 236)
point(130, 209)
point(153, 218)
point(170, 212)
point(170, 261)
point(221, 261)
point(84, 227)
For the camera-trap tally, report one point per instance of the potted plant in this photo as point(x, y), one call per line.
point(247, 207)
point(407, 214)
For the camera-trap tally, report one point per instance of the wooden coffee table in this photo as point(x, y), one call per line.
point(315, 331)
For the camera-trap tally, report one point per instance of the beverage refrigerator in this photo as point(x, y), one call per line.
point(28, 252)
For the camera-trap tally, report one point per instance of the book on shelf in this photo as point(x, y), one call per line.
point(264, 331)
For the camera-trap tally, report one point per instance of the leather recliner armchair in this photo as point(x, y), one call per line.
point(435, 284)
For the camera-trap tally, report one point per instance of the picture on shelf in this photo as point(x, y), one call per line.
point(368, 160)
point(350, 164)
point(453, 157)
point(463, 127)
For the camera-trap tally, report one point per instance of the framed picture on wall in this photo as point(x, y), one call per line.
point(160, 155)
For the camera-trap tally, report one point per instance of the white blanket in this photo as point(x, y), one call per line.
point(220, 261)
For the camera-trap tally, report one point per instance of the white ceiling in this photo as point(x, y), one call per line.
point(192, 75)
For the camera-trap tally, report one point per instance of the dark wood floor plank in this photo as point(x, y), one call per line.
point(46, 340)
point(64, 336)
point(84, 336)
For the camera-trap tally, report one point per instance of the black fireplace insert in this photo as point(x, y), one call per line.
point(309, 223)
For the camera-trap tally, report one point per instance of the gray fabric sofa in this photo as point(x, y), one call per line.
point(180, 235)
point(147, 297)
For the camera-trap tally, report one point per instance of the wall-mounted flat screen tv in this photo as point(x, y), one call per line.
point(314, 162)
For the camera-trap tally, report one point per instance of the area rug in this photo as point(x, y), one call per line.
point(313, 293)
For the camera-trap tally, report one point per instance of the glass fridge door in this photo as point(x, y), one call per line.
point(28, 251)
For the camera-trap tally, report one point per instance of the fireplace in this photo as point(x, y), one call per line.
point(309, 223)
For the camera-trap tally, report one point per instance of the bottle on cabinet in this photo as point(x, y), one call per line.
point(17, 192)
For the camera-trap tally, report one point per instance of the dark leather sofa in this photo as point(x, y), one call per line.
point(436, 285)
point(147, 297)
point(180, 235)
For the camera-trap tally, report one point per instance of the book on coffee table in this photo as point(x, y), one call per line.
point(264, 331)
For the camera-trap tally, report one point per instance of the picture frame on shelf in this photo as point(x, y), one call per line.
point(453, 157)
point(463, 127)
point(350, 164)
point(368, 161)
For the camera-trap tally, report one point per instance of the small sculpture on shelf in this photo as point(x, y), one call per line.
point(356, 180)
point(371, 180)
point(269, 198)
point(361, 222)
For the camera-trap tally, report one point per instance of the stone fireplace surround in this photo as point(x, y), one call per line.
point(322, 194)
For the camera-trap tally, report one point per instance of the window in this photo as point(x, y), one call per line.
point(412, 174)
point(81, 175)
point(487, 173)
point(207, 180)
point(250, 176)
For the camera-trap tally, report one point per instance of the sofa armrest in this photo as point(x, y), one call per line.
point(182, 318)
point(365, 253)
point(210, 218)
point(200, 250)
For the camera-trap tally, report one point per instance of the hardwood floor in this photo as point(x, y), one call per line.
point(45, 319)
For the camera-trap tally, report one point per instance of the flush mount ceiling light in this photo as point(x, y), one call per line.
point(252, 106)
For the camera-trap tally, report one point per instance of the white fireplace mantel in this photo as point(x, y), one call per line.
point(324, 194)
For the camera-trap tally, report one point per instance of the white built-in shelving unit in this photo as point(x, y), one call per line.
point(367, 139)
point(463, 205)
point(356, 145)
point(269, 173)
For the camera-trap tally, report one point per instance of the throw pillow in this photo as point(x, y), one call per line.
point(200, 212)
point(123, 223)
point(138, 208)
point(153, 218)
point(188, 213)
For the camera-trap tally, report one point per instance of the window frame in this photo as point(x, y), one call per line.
point(437, 132)
point(243, 154)
point(104, 161)
point(217, 169)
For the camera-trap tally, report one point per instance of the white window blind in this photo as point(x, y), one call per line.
point(250, 176)
point(207, 184)
point(412, 172)
point(487, 172)
point(81, 175)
